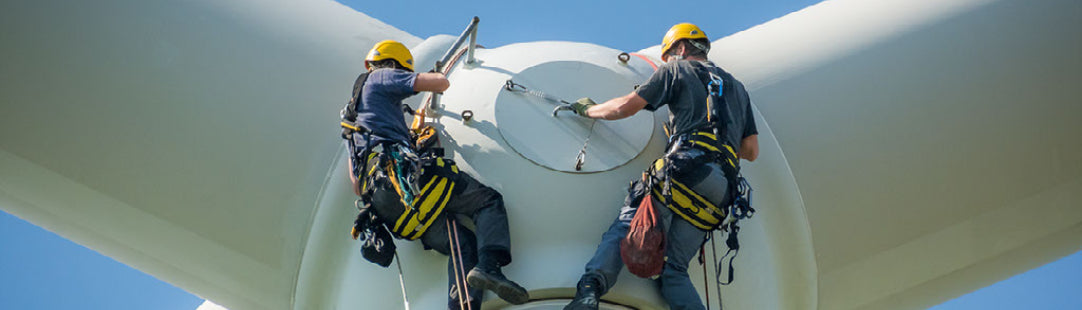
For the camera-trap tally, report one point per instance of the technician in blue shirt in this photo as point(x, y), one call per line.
point(390, 79)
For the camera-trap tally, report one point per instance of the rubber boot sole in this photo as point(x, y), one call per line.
point(575, 305)
point(506, 289)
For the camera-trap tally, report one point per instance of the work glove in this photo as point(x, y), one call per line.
point(580, 106)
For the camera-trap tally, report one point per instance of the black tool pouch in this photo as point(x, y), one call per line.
point(377, 245)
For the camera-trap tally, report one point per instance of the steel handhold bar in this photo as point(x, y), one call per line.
point(471, 33)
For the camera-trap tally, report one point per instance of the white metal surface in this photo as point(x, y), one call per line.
point(187, 139)
point(935, 143)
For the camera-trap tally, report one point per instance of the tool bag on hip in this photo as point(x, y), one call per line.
point(643, 249)
point(377, 245)
point(413, 208)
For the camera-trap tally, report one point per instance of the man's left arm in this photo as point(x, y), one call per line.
point(654, 90)
point(617, 108)
point(749, 145)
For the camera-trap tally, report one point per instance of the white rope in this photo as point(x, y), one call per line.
point(401, 280)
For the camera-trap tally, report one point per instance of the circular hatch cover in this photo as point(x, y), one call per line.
point(525, 120)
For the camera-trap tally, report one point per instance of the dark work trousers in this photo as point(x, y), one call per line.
point(488, 240)
point(490, 237)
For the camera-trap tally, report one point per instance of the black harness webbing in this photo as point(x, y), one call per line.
point(349, 112)
point(680, 198)
point(740, 209)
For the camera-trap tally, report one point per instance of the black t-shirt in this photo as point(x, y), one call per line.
point(682, 86)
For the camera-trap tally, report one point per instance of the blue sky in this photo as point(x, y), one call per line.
point(41, 270)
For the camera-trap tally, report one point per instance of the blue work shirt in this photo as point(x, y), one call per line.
point(380, 109)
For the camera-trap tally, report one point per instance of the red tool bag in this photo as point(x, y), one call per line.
point(643, 250)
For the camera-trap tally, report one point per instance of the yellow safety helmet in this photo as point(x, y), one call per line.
point(680, 31)
point(390, 49)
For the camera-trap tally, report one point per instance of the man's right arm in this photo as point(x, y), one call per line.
point(431, 82)
point(749, 148)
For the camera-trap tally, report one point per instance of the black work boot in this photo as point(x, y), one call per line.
point(494, 280)
point(587, 296)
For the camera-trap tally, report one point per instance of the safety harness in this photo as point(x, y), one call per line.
point(680, 198)
point(424, 183)
point(684, 201)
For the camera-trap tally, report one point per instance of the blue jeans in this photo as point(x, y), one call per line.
point(683, 240)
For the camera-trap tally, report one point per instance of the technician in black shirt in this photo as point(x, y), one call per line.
point(700, 157)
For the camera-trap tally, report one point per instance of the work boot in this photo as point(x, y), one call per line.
point(495, 281)
point(586, 297)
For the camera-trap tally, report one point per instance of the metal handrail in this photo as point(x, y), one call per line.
point(471, 33)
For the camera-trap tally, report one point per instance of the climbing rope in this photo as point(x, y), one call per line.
point(401, 280)
point(456, 263)
point(714, 256)
point(702, 262)
point(651, 62)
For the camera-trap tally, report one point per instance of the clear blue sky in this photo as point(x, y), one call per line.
point(40, 270)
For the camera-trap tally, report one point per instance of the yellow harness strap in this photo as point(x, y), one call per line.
point(687, 203)
point(708, 141)
point(371, 171)
point(428, 205)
